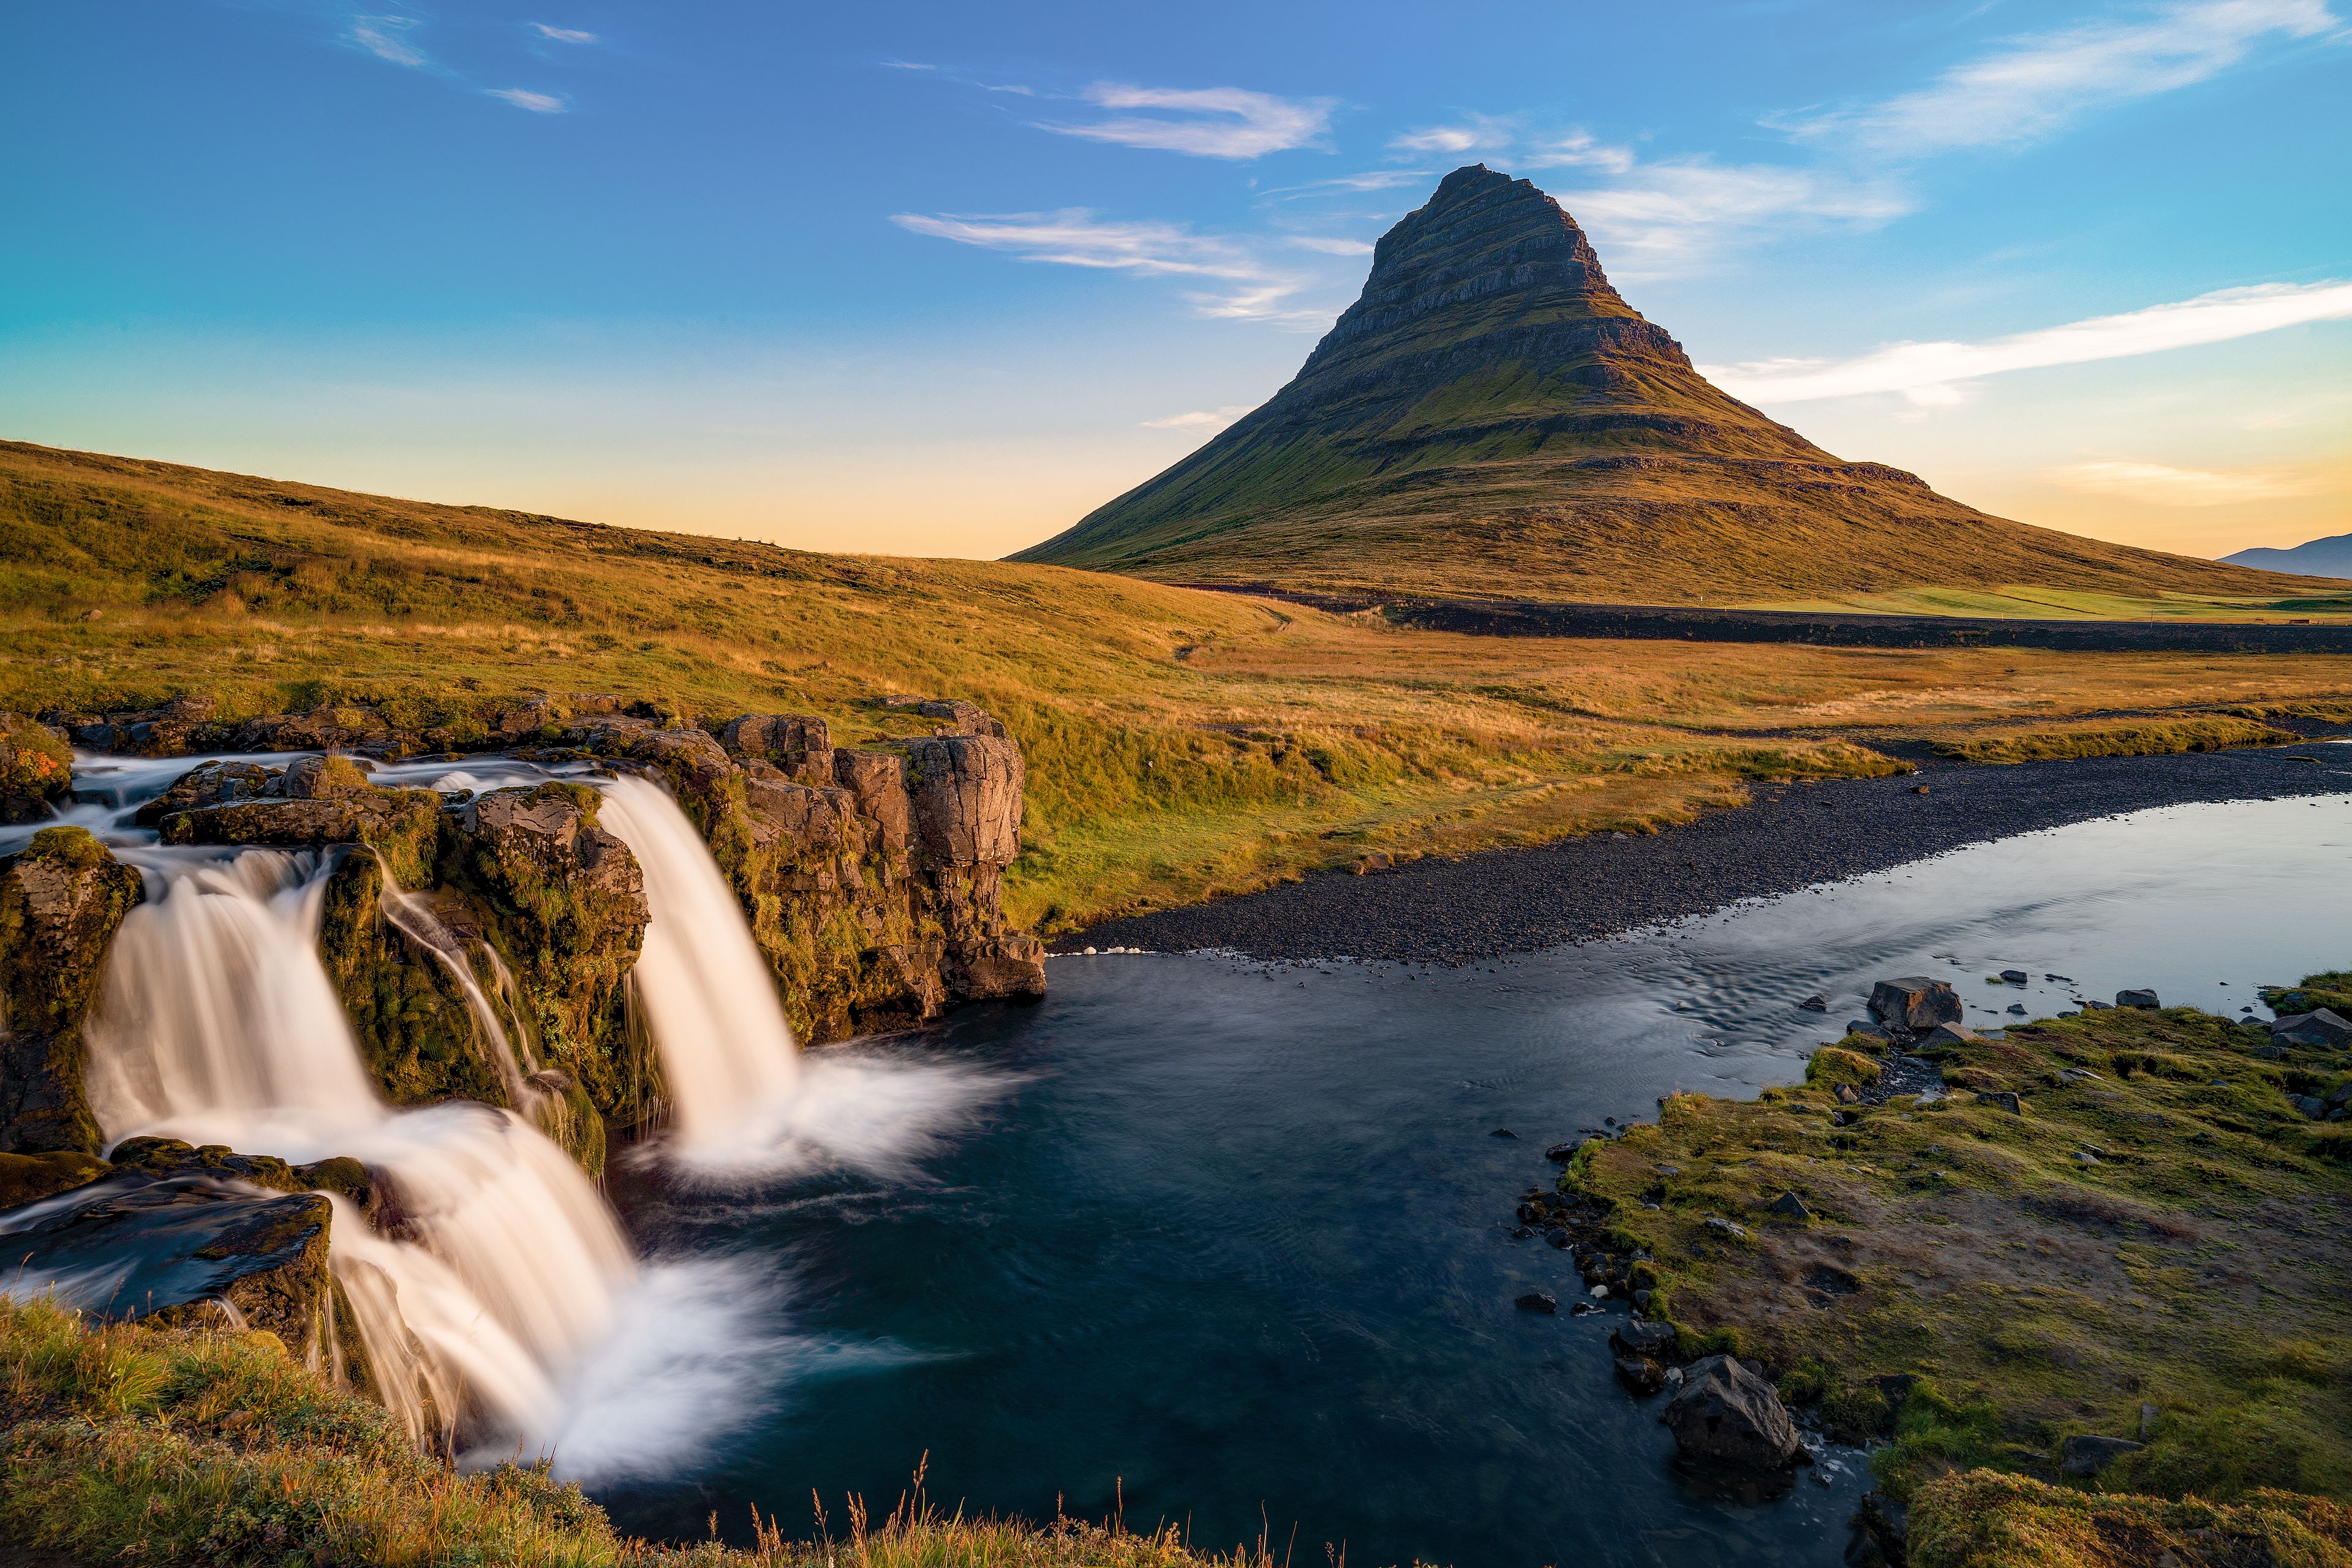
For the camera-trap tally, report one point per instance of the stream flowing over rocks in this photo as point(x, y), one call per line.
point(334, 1045)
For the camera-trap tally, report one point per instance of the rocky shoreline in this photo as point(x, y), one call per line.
point(1790, 837)
point(2011, 1252)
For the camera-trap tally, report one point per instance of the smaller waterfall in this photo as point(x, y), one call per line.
point(747, 1104)
point(708, 996)
point(217, 1023)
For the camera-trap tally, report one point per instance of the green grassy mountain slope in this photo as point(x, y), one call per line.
point(1492, 419)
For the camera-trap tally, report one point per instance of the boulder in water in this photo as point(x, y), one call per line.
point(2140, 998)
point(1727, 1414)
point(62, 901)
point(1915, 1003)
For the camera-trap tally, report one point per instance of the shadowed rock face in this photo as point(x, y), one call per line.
point(60, 901)
point(1492, 419)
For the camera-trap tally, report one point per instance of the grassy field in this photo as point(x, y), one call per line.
point(1180, 744)
point(131, 1444)
point(2150, 1247)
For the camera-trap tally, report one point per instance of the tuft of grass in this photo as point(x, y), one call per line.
point(2134, 737)
point(1985, 1519)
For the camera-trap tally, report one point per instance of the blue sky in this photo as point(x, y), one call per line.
point(939, 279)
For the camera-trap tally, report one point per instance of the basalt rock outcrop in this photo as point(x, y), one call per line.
point(60, 900)
point(1491, 419)
point(872, 880)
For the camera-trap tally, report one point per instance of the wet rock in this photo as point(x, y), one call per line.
point(2016, 976)
point(27, 1178)
point(1641, 1377)
point(1815, 1004)
point(1562, 1153)
point(1502, 1133)
point(324, 778)
point(35, 770)
point(402, 826)
point(61, 900)
point(2318, 1029)
point(2146, 999)
point(169, 1248)
point(1538, 1301)
point(211, 784)
point(1641, 1337)
point(1726, 1415)
point(2083, 1457)
point(1915, 1003)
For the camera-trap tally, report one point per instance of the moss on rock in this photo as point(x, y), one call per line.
point(61, 901)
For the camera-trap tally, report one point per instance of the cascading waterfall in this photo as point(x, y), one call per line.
point(727, 1052)
point(217, 1024)
point(746, 1103)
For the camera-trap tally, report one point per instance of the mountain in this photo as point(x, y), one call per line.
point(1492, 419)
point(2329, 557)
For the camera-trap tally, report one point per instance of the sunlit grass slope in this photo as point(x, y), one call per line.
point(1180, 743)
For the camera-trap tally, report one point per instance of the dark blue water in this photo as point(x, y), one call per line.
point(1233, 1245)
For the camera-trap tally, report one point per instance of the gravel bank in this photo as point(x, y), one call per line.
point(1516, 900)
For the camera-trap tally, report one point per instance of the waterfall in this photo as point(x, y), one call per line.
point(708, 996)
point(217, 1023)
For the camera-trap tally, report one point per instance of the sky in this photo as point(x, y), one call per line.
point(939, 279)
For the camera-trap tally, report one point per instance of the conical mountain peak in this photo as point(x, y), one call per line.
point(1491, 417)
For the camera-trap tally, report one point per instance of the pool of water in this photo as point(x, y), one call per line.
point(1229, 1244)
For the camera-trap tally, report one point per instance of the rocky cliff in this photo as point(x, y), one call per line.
point(1492, 419)
point(871, 878)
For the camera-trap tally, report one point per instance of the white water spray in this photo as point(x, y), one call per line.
point(727, 1052)
point(217, 1024)
point(747, 1103)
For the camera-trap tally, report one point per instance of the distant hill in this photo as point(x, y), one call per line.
point(2329, 557)
point(1491, 419)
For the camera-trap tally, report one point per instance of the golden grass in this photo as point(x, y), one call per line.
point(1179, 742)
point(1984, 1519)
point(2121, 737)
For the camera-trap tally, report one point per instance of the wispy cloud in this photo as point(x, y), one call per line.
point(1474, 133)
point(1928, 372)
point(1077, 236)
point(1373, 179)
point(1331, 245)
point(1578, 151)
point(2029, 87)
point(1676, 216)
point(1205, 123)
point(563, 35)
point(386, 37)
point(1200, 419)
point(2159, 484)
point(522, 98)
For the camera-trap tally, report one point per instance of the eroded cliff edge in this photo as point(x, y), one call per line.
point(871, 878)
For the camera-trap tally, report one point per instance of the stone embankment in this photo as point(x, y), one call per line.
point(872, 880)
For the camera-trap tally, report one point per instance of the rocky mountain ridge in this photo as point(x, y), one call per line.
point(1492, 419)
